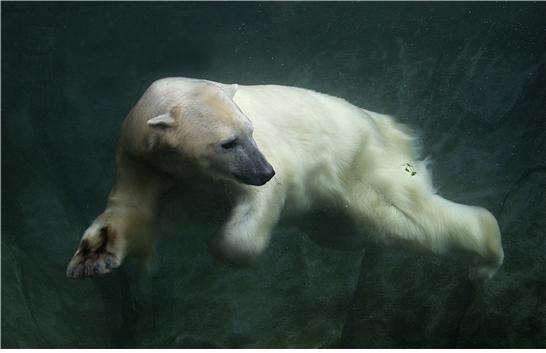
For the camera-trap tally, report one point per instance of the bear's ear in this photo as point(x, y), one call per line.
point(162, 121)
point(230, 89)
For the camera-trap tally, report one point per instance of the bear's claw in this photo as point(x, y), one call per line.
point(92, 264)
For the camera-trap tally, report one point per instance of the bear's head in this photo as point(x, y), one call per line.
point(205, 126)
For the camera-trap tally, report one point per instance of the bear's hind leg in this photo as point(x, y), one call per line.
point(405, 209)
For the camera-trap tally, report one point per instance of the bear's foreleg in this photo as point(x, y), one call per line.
point(246, 234)
point(126, 224)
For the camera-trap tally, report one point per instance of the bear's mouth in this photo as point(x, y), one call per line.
point(255, 180)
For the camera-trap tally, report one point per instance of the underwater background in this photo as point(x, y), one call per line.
point(469, 77)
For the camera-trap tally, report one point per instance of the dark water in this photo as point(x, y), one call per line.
point(469, 76)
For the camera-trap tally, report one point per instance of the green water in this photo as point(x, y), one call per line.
point(470, 77)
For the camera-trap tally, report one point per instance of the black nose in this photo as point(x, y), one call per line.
point(265, 173)
point(268, 174)
point(258, 178)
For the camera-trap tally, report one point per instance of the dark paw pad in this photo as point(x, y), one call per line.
point(92, 264)
point(92, 260)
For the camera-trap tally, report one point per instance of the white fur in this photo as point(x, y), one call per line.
point(324, 151)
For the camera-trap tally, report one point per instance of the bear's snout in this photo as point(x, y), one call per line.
point(251, 167)
point(259, 175)
point(267, 174)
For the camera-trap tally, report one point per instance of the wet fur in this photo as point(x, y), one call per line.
point(325, 151)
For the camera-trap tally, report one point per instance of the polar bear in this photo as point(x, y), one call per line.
point(278, 151)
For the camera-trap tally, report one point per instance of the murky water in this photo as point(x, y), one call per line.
point(470, 78)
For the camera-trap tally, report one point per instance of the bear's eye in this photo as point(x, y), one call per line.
point(230, 144)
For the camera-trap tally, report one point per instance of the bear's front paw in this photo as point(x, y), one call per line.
point(235, 254)
point(92, 257)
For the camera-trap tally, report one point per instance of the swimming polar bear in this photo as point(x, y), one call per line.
point(319, 150)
